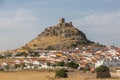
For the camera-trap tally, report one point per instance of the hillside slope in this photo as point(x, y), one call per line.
point(62, 36)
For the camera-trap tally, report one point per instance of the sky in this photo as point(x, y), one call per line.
point(22, 20)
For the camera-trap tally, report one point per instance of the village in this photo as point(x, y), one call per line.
point(88, 58)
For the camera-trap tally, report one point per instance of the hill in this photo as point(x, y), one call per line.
point(61, 36)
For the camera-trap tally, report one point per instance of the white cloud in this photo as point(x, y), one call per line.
point(17, 28)
point(19, 18)
point(107, 23)
point(102, 27)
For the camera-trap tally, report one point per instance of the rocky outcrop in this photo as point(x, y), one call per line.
point(63, 29)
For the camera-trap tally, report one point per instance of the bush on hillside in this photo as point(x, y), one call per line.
point(61, 73)
point(50, 48)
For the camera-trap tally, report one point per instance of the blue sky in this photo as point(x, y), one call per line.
point(22, 20)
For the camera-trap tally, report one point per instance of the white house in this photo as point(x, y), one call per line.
point(36, 64)
point(99, 63)
point(112, 63)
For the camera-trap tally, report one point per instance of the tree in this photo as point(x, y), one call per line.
point(49, 64)
point(6, 67)
point(22, 54)
point(102, 72)
point(36, 54)
point(72, 64)
point(1, 56)
point(60, 63)
point(61, 73)
point(17, 66)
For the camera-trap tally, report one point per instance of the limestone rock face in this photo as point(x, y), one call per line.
point(63, 35)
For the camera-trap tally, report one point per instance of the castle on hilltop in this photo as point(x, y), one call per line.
point(63, 35)
point(64, 29)
point(61, 29)
point(63, 23)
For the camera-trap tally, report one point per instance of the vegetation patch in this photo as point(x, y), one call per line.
point(103, 72)
point(62, 73)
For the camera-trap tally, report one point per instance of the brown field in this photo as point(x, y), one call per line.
point(33, 75)
point(37, 75)
point(25, 75)
point(45, 75)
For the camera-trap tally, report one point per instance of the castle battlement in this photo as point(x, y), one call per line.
point(62, 20)
point(63, 23)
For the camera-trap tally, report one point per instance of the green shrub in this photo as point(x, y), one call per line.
point(102, 69)
point(60, 63)
point(102, 72)
point(36, 54)
point(84, 69)
point(61, 73)
point(50, 48)
point(49, 64)
point(17, 66)
point(72, 64)
point(1, 57)
point(6, 68)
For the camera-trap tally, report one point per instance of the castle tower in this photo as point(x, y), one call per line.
point(62, 20)
point(70, 24)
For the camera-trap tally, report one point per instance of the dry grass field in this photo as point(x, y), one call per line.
point(25, 75)
point(45, 75)
point(33, 75)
